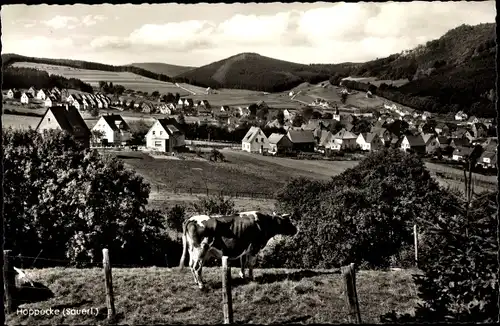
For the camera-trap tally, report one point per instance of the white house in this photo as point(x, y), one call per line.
point(26, 98)
point(255, 141)
point(50, 101)
point(342, 140)
point(42, 94)
point(460, 116)
point(114, 129)
point(336, 115)
point(289, 114)
point(369, 141)
point(163, 136)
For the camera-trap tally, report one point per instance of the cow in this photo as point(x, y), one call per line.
point(240, 236)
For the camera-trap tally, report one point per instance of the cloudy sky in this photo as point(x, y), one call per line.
point(197, 34)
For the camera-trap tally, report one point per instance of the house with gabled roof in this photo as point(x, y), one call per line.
point(32, 90)
point(188, 102)
point(164, 136)
point(114, 129)
point(369, 141)
point(279, 144)
point(289, 114)
point(342, 140)
point(460, 116)
point(50, 101)
point(26, 98)
point(488, 160)
point(66, 118)
point(472, 119)
point(460, 153)
point(80, 105)
point(302, 140)
point(413, 143)
point(479, 130)
point(42, 94)
point(255, 141)
point(431, 142)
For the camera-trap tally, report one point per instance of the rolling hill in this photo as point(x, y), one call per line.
point(256, 72)
point(162, 68)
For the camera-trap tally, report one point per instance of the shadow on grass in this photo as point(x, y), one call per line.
point(125, 157)
point(31, 294)
point(267, 278)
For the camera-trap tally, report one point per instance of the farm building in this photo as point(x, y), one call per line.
point(164, 136)
point(66, 118)
point(114, 129)
point(255, 141)
point(26, 98)
point(302, 140)
point(369, 141)
point(279, 144)
point(413, 143)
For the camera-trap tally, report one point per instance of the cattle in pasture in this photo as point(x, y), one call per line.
point(240, 236)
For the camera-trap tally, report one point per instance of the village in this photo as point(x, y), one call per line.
point(326, 130)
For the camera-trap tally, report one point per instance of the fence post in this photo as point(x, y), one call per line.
point(110, 300)
point(415, 240)
point(227, 301)
point(9, 276)
point(349, 274)
point(207, 192)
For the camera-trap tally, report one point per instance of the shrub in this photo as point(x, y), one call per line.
point(460, 281)
point(365, 215)
point(175, 217)
point(214, 205)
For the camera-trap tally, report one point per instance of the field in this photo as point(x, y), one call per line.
point(377, 82)
point(126, 79)
point(19, 121)
point(169, 296)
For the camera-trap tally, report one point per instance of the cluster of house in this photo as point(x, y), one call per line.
point(57, 97)
point(110, 129)
point(315, 136)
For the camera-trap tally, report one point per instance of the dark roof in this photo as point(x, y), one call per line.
point(169, 124)
point(415, 140)
point(113, 118)
point(301, 136)
point(69, 120)
point(463, 150)
point(275, 138)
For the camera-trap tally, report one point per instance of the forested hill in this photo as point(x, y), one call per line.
point(256, 72)
point(455, 72)
point(10, 58)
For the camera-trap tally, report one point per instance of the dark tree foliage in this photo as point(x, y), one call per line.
point(19, 77)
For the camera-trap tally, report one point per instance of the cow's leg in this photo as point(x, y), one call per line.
point(251, 260)
point(202, 255)
point(243, 262)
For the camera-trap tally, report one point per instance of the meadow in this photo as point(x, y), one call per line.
point(19, 121)
point(169, 296)
point(377, 82)
point(126, 79)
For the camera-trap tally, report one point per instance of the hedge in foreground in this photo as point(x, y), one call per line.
point(364, 215)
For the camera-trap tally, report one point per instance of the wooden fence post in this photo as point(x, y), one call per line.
point(227, 301)
point(415, 240)
point(349, 275)
point(9, 276)
point(110, 300)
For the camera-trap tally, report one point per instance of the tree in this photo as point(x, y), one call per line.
point(343, 97)
point(102, 84)
point(181, 119)
point(281, 117)
point(176, 215)
point(362, 126)
point(327, 116)
point(177, 97)
point(155, 94)
point(94, 111)
point(262, 113)
point(75, 202)
point(253, 109)
point(316, 115)
point(298, 120)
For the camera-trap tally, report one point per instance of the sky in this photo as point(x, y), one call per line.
point(198, 34)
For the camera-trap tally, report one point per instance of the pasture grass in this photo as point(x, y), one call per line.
point(169, 296)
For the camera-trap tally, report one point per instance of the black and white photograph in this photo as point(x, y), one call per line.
point(250, 163)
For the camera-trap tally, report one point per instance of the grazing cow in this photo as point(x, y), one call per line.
point(238, 236)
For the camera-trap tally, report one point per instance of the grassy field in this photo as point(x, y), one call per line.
point(126, 79)
point(169, 296)
point(377, 82)
point(19, 121)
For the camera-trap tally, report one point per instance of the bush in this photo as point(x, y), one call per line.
point(214, 205)
point(459, 261)
point(175, 217)
point(76, 202)
point(364, 216)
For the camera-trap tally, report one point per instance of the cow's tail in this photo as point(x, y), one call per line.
point(184, 246)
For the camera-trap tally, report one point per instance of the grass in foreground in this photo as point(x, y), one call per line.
point(168, 296)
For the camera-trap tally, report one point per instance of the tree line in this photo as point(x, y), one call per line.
point(20, 77)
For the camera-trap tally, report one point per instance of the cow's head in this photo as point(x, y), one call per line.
point(285, 225)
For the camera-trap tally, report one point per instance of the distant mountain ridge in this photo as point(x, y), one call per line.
point(162, 68)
